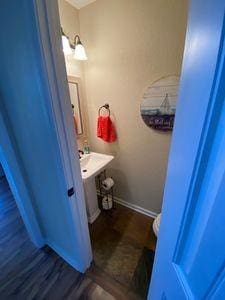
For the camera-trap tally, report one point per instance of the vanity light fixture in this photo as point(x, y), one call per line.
point(79, 50)
point(66, 45)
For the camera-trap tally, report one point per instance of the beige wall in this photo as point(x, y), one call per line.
point(131, 43)
point(69, 19)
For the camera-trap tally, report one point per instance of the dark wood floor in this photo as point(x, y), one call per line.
point(126, 223)
point(119, 238)
point(31, 273)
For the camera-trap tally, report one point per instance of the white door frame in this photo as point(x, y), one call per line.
point(15, 175)
point(47, 18)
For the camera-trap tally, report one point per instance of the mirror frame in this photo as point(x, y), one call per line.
point(77, 81)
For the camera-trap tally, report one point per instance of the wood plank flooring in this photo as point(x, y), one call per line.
point(31, 273)
point(119, 237)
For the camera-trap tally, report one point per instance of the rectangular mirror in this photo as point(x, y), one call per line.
point(75, 98)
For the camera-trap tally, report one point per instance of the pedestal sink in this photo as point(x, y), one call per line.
point(92, 165)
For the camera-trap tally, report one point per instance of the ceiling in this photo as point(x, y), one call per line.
point(80, 3)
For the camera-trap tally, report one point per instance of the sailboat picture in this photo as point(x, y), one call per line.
point(158, 107)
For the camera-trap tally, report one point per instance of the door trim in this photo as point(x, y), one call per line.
point(59, 108)
point(15, 175)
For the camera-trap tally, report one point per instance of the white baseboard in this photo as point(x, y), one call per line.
point(134, 207)
point(75, 264)
point(94, 217)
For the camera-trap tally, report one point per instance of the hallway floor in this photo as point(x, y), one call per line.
point(31, 273)
point(122, 240)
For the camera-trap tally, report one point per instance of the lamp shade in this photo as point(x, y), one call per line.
point(80, 53)
point(66, 45)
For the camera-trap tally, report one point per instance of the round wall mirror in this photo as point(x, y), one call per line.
point(158, 105)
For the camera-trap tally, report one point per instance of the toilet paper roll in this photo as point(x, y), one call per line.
point(108, 183)
point(107, 202)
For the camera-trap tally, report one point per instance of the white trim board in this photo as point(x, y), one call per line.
point(137, 208)
point(60, 251)
point(78, 4)
point(59, 112)
point(134, 207)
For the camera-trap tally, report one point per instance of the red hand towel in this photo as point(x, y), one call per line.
point(106, 129)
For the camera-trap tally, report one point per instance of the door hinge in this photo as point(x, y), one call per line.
point(70, 192)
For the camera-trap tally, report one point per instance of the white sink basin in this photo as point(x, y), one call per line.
point(91, 165)
point(94, 163)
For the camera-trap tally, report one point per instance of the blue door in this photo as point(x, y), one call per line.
point(190, 256)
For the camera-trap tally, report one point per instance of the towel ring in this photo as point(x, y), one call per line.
point(105, 106)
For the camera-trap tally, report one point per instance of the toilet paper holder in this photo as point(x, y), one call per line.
point(107, 183)
point(106, 193)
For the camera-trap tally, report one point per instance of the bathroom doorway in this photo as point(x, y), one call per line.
point(179, 137)
point(151, 39)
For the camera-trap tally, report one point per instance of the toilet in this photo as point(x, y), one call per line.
point(156, 224)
